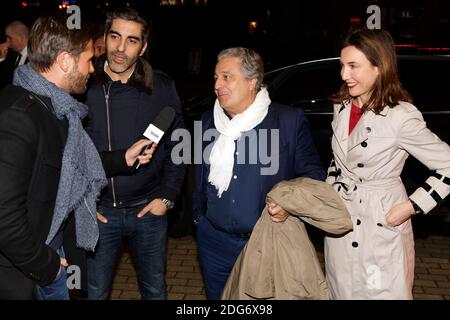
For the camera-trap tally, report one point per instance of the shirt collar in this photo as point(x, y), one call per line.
point(24, 52)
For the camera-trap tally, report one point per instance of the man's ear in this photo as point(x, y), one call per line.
point(143, 50)
point(253, 84)
point(64, 61)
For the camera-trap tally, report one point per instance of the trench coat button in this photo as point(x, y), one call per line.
point(360, 180)
point(360, 200)
point(355, 244)
point(360, 165)
point(363, 144)
point(379, 224)
point(369, 129)
point(358, 222)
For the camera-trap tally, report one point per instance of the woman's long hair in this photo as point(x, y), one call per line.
point(378, 47)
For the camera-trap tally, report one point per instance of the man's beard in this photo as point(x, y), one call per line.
point(120, 68)
point(77, 82)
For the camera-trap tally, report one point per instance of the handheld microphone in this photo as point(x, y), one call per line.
point(156, 129)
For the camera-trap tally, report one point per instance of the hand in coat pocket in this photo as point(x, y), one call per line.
point(399, 213)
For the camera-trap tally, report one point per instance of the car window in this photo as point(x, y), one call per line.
point(427, 82)
point(301, 85)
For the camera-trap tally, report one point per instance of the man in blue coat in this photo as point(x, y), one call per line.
point(258, 144)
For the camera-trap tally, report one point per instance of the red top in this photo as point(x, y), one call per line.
point(355, 115)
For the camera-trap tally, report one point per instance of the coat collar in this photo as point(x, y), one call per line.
point(142, 77)
point(361, 131)
point(340, 126)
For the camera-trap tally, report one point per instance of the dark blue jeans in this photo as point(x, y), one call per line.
point(217, 252)
point(147, 240)
point(57, 290)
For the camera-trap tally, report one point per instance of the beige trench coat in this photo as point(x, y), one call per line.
point(279, 261)
point(376, 261)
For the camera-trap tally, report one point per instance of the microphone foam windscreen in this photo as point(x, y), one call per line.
point(164, 119)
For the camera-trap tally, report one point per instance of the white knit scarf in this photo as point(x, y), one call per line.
point(222, 153)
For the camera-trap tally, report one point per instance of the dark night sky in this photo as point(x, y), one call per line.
point(288, 30)
point(305, 27)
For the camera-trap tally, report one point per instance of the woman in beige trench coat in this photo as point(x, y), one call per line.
point(376, 259)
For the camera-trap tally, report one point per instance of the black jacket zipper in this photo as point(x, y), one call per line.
point(108, 127)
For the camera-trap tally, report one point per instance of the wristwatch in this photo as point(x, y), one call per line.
point(169, 204)
point(416, 208)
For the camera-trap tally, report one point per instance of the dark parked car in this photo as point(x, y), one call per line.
point(308, 85)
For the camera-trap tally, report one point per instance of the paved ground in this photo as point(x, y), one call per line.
point(185, 282)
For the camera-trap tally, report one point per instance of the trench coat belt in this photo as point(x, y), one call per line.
point(347, 187)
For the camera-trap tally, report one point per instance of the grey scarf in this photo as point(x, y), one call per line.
point(82, 175)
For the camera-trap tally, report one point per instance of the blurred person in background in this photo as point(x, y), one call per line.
point(14, 51)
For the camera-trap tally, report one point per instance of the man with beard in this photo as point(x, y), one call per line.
point(127, 97)
point(49, 167)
